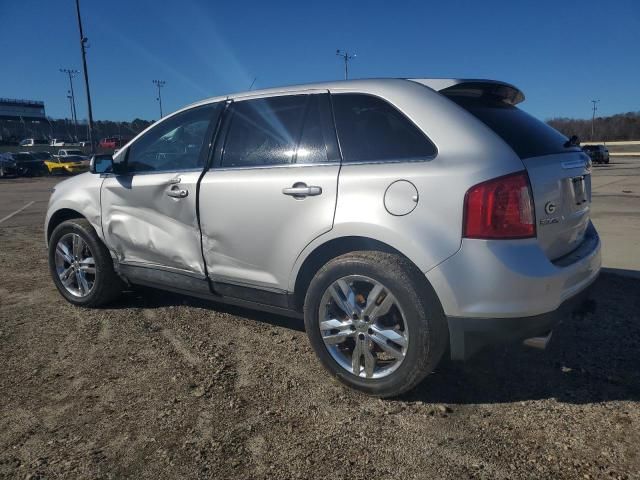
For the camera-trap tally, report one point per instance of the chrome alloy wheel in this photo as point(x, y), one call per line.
point(75, 265)
point(363, 327)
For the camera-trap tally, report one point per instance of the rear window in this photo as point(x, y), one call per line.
point(526, 135)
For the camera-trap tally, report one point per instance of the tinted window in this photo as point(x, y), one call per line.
point(23, 157)
point(526, 135)
point(370, 129)
point(278, 131)
point(178, 143)
point(318, 140)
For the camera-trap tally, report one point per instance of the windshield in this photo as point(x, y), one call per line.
point(75, 152)
point(23, 157)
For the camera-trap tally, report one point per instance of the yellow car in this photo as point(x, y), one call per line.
point(67, 165)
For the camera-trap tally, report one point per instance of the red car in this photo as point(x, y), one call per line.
point(110, 143)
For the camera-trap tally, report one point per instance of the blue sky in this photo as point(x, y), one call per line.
point(561, 53)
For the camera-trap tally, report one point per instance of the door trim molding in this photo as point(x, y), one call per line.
point(187, 283)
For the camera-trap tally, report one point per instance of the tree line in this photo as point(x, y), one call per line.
point(620, 127)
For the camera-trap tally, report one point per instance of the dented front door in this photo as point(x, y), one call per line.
point(150, 220)
point(149, 214)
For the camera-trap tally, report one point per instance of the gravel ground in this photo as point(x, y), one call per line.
point(161, 386)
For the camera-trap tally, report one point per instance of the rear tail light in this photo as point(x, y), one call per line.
point(501, 208)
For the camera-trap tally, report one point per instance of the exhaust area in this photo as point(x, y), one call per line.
point(538, 342)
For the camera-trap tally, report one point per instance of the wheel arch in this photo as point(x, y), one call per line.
point(59, 216)
point(334, 248)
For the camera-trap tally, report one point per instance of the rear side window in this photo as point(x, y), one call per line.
point(372, 130)
point(526, 135)
point(278, 131)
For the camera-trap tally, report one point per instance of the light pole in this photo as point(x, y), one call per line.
point(346, 56)
point(83, 49)
point(593, 118)
point(70, 97)
point(159, 84)
point(74, 114)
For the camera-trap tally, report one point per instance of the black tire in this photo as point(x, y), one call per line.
point(107, 284)
point(428, 338)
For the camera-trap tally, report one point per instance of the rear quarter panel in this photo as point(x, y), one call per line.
point(468, 153)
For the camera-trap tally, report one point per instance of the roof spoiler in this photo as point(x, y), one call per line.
point(474, 88)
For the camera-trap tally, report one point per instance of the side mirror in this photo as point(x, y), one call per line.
point(101, 164)
point(120, 162)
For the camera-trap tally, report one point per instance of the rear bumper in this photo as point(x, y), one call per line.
point(497, 291)
point(469, 335)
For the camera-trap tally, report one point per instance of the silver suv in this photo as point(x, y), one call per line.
point(401, 218)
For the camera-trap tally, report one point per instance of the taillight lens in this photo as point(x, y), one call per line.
point(501, 208)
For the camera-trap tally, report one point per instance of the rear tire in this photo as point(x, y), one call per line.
point(415, 318)
point(84, 276)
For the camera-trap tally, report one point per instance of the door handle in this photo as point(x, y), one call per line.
point(302, 190)
point(176, 192)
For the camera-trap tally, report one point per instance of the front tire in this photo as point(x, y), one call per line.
point(81, 266)
point(375, 323)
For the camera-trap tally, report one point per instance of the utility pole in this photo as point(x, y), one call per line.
point(346, 56)
point(593, 118)
point(71, 106)
point(159, 84)
point(83, 48)
point(74, 114)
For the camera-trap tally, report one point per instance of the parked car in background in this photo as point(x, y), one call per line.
point(62, 142)
point(31, 142)
point(65, 152)
point(27, 165)
point(597, 153)
point(111, 143)
point(71, 164)
point(44, 156)
point(7, 165)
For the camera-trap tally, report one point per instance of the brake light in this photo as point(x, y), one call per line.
point(500, 208)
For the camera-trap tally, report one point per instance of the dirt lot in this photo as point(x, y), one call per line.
point(160, 386)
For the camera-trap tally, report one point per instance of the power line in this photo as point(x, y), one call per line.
point(593, 117)
point(74, 115)
point(346, 56)
point(159, 84)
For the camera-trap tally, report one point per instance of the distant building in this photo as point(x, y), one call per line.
point(21, 110)
point(22, 119)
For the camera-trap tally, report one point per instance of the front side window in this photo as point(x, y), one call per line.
point(277, 131)
point(178, 143)
point(372, 130)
